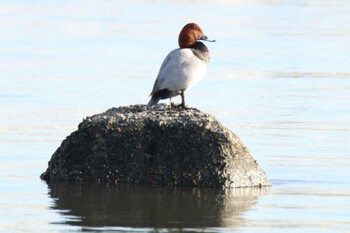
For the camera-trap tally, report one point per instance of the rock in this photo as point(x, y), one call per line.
point(136, 144)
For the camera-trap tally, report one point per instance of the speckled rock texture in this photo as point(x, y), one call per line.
point(137, 144)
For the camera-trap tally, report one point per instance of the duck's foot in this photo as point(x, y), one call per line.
point(173, 106)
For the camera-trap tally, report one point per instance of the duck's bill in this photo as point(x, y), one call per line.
point(205, 38)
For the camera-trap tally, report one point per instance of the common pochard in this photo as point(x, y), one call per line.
point(183, 67)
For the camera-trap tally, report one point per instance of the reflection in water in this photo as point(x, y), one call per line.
point(101, 205)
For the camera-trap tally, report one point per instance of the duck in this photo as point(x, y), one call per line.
point(183, 67)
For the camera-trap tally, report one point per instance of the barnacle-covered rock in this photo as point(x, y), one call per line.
point(137, 144)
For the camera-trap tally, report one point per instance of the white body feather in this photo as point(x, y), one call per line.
point(180, 70)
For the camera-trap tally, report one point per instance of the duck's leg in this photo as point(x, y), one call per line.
point(183, 100)
point(171, 104)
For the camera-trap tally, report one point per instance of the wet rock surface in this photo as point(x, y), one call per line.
point(137, 144)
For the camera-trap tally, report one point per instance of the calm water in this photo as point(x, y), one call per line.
point(279, 78)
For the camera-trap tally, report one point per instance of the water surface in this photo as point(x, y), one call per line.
point(279, 78)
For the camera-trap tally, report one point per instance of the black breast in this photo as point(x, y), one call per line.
point(201, 51)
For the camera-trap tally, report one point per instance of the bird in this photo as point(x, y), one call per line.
point(182, 67)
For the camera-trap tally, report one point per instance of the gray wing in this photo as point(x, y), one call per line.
point(161, 78)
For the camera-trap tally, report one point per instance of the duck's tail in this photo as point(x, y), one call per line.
point(153, 102)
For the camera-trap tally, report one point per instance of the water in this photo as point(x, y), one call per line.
point(279, 78)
